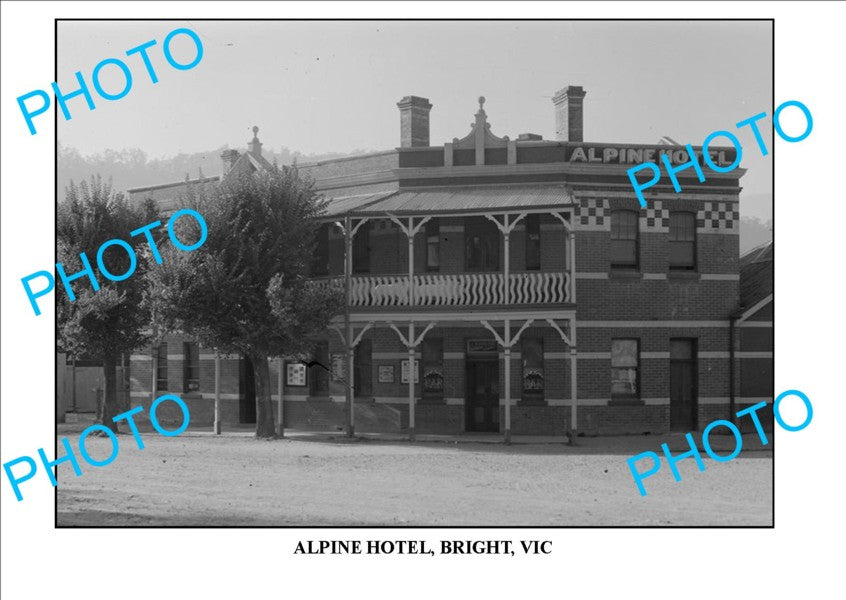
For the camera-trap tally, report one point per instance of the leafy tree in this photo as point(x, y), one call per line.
point(245, 290)
point(108, 322)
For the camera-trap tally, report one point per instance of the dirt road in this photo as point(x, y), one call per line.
point(236, 480)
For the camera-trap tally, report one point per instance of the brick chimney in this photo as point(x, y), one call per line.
point(229, 157)
point(414, 121)
point(569, 118)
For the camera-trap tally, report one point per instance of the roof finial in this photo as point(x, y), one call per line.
point(255, 144)
point(481, 102)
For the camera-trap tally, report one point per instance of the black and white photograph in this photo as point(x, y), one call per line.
point(461, 211)
point(419, 298)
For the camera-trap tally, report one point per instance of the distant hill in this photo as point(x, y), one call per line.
point(754, 232)
point(133, 168)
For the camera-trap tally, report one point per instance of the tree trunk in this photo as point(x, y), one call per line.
point(107, 407)
point(265, 427)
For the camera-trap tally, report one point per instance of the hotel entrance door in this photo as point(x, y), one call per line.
point(482, 397)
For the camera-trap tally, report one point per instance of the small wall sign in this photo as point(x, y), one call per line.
point(386, 373)
point(296, 374)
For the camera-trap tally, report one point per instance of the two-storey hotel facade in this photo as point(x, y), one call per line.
point(509, 285)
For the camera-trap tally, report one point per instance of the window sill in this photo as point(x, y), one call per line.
point(681, 275)
point(531, 402)
point(626, 402)
point(190, 395)
point(431, 401)
point(319, 398)
point(624, 274)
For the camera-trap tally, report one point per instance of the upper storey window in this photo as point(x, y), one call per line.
point(682, 249)
point(320, 264)
point(481, 245)
point(361, 249)
point(533, 252)
point(433, 245)
point(624, 239)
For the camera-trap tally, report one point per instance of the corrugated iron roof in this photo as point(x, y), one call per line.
point(175, 184)
point(759, 254)
point(468, 199)
point(341, 205)
point(756, 275)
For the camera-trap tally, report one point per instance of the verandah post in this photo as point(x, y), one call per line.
point(573, 382)
point(506, 236)
point(280, 413)
point(411, 366)
point(350, 418)
point(216, 391)
point(412, 370)
point(507, 360)
point(155, 374)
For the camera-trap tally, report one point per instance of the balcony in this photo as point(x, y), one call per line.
point(463, 289)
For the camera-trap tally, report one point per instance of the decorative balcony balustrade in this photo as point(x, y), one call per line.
point(463, 289)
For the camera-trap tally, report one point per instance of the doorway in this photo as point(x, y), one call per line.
point(683, 377)
point(246, 391)
point(482, 412)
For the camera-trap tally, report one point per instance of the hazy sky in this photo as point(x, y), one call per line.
point(326, 86)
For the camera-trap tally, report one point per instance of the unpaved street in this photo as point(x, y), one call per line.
point(236, 480)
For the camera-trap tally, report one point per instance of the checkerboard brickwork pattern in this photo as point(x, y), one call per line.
point(657, 216)
point(718, 215)
point(594, 213)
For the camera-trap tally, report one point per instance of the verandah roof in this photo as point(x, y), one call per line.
point(343, 205)
point(453, 200)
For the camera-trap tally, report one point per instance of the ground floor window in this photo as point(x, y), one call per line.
point(363, 365)
point(533, 375)
point(432, 354)
point(625, 382)
point(161, 366)
point(191, 366)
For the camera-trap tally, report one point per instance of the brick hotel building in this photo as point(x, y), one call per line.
point(499, 284)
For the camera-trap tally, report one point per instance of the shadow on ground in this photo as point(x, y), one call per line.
point(630, 445)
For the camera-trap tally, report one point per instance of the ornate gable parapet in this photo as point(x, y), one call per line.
point(480, 138)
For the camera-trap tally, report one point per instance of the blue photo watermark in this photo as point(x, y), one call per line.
point(101, 267)
point(16, 479)
point(693, 156)
point(693, 453)
point(31, 111)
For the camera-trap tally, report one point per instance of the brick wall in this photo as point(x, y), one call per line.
point(755, 367)
point(549, 416)
point(624, 419)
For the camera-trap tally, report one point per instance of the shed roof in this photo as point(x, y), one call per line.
point(756, 275)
